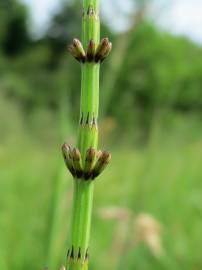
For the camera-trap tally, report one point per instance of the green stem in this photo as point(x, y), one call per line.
point(88, 137)
point(82, 209)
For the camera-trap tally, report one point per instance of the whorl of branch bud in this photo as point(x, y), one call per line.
point(93, 54)
point(94, 164)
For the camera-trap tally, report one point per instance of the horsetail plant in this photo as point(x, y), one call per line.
point(85, 162)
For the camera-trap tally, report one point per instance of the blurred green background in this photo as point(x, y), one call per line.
point(148, 203)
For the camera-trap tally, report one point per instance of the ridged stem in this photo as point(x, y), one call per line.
point(87, 137)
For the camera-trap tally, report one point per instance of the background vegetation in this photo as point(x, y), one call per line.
point(150, 215)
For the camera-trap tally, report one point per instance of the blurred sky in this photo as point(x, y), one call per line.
point(177, 16)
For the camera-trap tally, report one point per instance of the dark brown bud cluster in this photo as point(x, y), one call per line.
point(95, 162)
point(93, 54)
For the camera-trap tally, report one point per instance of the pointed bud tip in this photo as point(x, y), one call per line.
point(110, 46)
point(91, 50)
point(106, 157)
point(65, 147)
point(91, 153)
point(99, 153)
point(76, 154)
point(91, 43)
point(78, 45)
point(105, 40)
point(76, 42)
point(91, 150)
point(106, 51)
point(62, 267)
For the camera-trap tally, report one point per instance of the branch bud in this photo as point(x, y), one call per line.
point(77, 51)
point(77, 162)
point(73, 52)
point(91, 50)
point(89, 162)
point(101, 164)
point(66, 151)
point(99, 153)
point(103, 50)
